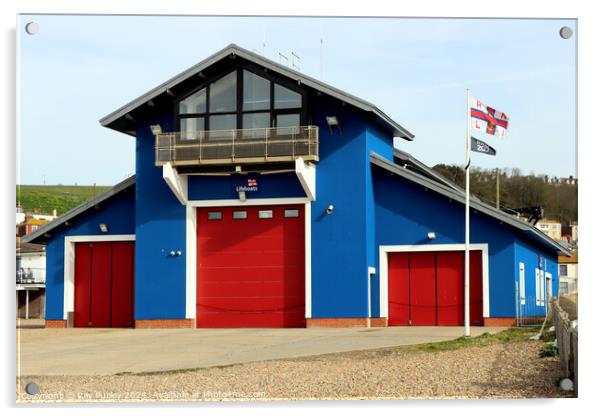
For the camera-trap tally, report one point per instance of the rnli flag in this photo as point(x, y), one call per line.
point(487, 119)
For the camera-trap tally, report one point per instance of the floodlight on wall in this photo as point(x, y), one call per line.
point(330, 209)
point(431, 235)
point(103, 228)
point(332, 121)
point(156, 129)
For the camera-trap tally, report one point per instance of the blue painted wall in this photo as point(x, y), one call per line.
point(282, 185)
point(406, 212)
point(160, 290)
point(117, 212)
point(534, 257)
point(339, 263)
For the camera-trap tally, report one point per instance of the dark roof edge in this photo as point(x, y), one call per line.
point(459, 196)
point(400, 154)
point(79, 209)
point(260, 60)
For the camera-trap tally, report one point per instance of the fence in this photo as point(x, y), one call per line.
point(530, 313)
point(567, 341)
point(273, 144)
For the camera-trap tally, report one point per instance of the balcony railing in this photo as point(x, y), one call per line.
point(214, 147)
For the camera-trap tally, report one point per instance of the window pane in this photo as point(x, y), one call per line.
point(224, 122)
point(563, 269)
point(222, 94)
point(196, 103)
point(291, 213)
point(214, 215)
point(288, 120)
point(258, 121)
point(265, 214)
point(190, 126)
point(239, 215)
point(285, 98)
point(256, 92)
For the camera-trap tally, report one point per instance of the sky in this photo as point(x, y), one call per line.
point(77, 69)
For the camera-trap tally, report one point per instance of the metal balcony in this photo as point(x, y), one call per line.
point(223, 147)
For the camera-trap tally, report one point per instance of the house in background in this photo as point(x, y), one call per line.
point(552, 229)
point(568, 273)
point(30, 280)
point(266, 198)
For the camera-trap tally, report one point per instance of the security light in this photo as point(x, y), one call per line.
point(103, 228)
point(330, 209)
point(156, 129)
point(332, 121)
point(431, 235)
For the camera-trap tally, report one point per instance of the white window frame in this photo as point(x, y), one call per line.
point(521, 276)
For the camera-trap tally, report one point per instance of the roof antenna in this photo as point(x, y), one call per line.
point(263, 44)
point(321, 57)
point(283, 57)
point(295, 65)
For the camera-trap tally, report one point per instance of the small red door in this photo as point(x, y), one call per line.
point(104, 275)
point(399, 294)
point(423, 300)
point(427, 288)
point(450, 288)
point(122, 293)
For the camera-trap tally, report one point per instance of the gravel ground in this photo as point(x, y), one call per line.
point(509, 370)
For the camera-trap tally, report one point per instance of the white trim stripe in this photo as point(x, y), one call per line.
point(191, 264)
point(308, 259)
point(247, 202)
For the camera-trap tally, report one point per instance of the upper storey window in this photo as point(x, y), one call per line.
point(222, 94)
point(240, 99)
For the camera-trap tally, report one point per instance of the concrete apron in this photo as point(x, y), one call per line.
point(111, 351)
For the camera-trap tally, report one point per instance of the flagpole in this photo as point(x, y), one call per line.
point(467, 224)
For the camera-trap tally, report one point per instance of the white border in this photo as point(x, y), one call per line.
point(191, 266)
point(248, 202)
point(384, 269)
point(191, 246)
point(69, 264)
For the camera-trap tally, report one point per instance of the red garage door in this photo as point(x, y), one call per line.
point(427, 288)
point(104, 276)
point(251, 267)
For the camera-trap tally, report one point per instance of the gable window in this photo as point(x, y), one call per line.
point(240, 99)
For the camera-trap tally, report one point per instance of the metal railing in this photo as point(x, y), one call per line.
point(274, 144)
point(30, 275)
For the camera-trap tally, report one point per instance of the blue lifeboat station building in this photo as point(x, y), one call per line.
point(265, 198)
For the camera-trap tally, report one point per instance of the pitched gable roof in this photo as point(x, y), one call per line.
point(459, 196)
point(116, 119)
point(80, 209)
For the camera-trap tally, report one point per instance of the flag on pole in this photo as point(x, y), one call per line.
point(480, 146)
point(487, 119)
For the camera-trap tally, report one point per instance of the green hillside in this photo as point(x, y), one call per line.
point(45, 198)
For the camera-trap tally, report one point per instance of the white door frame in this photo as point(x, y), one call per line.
point(191, 243)
point(383, 259)
point(69, 264)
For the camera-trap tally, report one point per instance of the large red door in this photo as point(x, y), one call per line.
point(434, 284)
point(251, 267)
point(104, 275)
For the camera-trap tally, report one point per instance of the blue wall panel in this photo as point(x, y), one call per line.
point(533, 257)
point(282, 185)
point(406, 212)
point(117, 213)
point(160, 228)
point(339, 267)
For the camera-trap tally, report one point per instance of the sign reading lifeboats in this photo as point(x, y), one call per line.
point(247, 185)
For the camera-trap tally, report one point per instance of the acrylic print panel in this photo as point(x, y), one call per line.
point(134, 133)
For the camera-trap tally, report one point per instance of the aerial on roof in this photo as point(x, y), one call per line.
point(121, 118)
